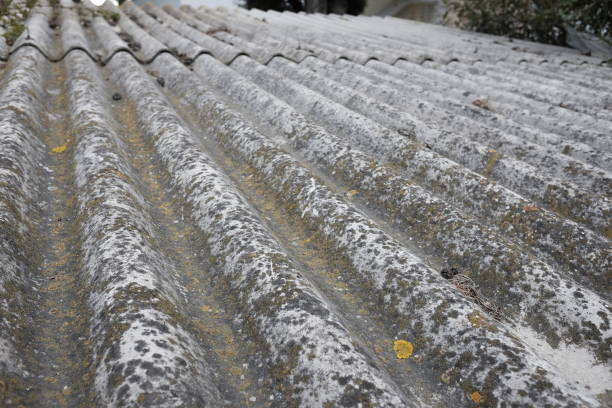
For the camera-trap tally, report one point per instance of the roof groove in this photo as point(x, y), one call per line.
point(260, 276)
point(408, 125)
point(564, 121)
point(20, 187)
point(128, 279)
point(303, 191)
point(591, 178)
point(390, 67)
point(560, 197)
point(295, 186)
point(396, 197)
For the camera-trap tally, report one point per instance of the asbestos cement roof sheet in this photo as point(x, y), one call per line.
point(208, 208)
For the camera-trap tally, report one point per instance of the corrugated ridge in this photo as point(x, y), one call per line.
point(437, 40)
point(578, 150)
point(534, 97)
point(141, 351)
point(202, 108)
point(326, 211)
point(265, 283)
point(497, 95)
point(439, 110)
point(562, 197)
point(490, 46)
point(395, 198)
point(406, 125)
point(20, 185)
point(550, 117)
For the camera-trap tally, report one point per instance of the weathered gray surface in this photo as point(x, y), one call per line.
point(238, 208)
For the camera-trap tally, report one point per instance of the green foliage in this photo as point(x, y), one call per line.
point(537, 20)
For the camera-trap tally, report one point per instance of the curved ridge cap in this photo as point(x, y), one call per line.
point(147, 61)
point(96, 59)
point(300, 60)
point(104, 61)
point(138, 59)
point(239, 54)
point(365, 60)
point(423, 60)
point(51, 58)
point(280, 54)
point(360, 61)
point(227, 61)
point(429, 58)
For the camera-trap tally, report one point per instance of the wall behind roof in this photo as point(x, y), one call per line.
point(430, 11)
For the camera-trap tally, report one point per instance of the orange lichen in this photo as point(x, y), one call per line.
point(403, 349)
point(236, 371)
point(309, 239)
point(476, 397)
point(59, 149)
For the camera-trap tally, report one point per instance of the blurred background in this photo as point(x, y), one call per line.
point(585, 25)
point(582, 24)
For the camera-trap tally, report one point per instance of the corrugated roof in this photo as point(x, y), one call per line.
point(246, 208)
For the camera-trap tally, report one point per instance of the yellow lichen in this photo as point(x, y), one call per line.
point(59, 149)
point(477, 320)
point(476, 397)
point(309, 239)
point(403, 348)
point(351, 193)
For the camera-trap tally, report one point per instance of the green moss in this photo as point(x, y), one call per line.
point(16, 26)
point(13, 33)
point(109, 16)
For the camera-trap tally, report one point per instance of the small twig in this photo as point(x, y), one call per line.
point(470, 290)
